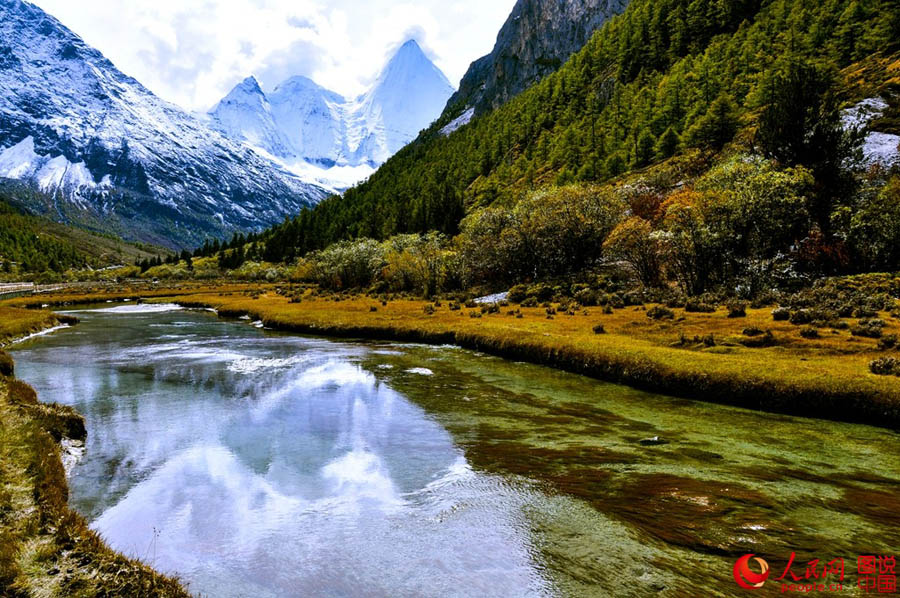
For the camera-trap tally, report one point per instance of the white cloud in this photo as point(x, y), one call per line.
point(192, 52)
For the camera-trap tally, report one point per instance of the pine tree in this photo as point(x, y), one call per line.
point(717, 127)
point(667, 144)
point(645, 149)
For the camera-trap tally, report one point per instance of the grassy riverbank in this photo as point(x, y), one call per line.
point(752, 361)
point(47, 550)
point(16, 322)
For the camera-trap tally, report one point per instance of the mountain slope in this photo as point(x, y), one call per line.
point(663, 77)
point(310, 118)
point(537, 38)
point(246, 112)
point(307, 127)
point(116, 157)
point(35, 245)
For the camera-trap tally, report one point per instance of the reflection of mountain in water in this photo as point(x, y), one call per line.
point(267, 466)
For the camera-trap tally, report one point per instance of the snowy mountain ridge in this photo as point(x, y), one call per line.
point(116, 157)
point(316, 132)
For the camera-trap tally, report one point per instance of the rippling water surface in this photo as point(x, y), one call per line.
point(257, 464)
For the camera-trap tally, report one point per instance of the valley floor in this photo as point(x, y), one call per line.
point(47, 550)
point(704, 356)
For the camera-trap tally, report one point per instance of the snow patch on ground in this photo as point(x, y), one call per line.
point(458, 122)
point(497, 298)
point(878, 148)
point(50, 174)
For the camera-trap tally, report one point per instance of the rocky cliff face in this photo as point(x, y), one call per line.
point(536, 40)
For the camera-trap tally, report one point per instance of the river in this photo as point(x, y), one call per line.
point(253, 463)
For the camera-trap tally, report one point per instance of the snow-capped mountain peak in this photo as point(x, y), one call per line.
point(245, 115)
point(409, 64)
point(116, 156)
point(311, 129)
point(386, 119)
point(300, 84)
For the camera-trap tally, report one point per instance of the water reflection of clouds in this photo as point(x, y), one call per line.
point(271, 466)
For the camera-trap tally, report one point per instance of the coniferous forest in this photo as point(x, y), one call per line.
point(710, 136)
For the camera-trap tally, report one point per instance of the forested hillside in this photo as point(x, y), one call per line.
point(32, 245)
point(664, 78)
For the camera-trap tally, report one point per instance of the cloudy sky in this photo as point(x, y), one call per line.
point(192, 52)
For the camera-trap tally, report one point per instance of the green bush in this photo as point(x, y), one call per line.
point(864, 312)
point(737, 309)
point(874, 228)
point(660, 313)
point(550, 233)
point(888, 342)
point(869, 328)
point(518, 293)
point(809, 333)
point(349, 264)
point(801, 316)
point(781, 314)
point(633, 241)
point(421, 264)
point(587, 297)
point(541, 292)
point(697, 306)
point(885, 366)
point(759, 341)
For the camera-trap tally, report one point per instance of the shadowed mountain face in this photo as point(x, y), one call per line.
point(536, 40)
point(116, 158)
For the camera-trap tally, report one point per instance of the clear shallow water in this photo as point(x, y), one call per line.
point(251, 463)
